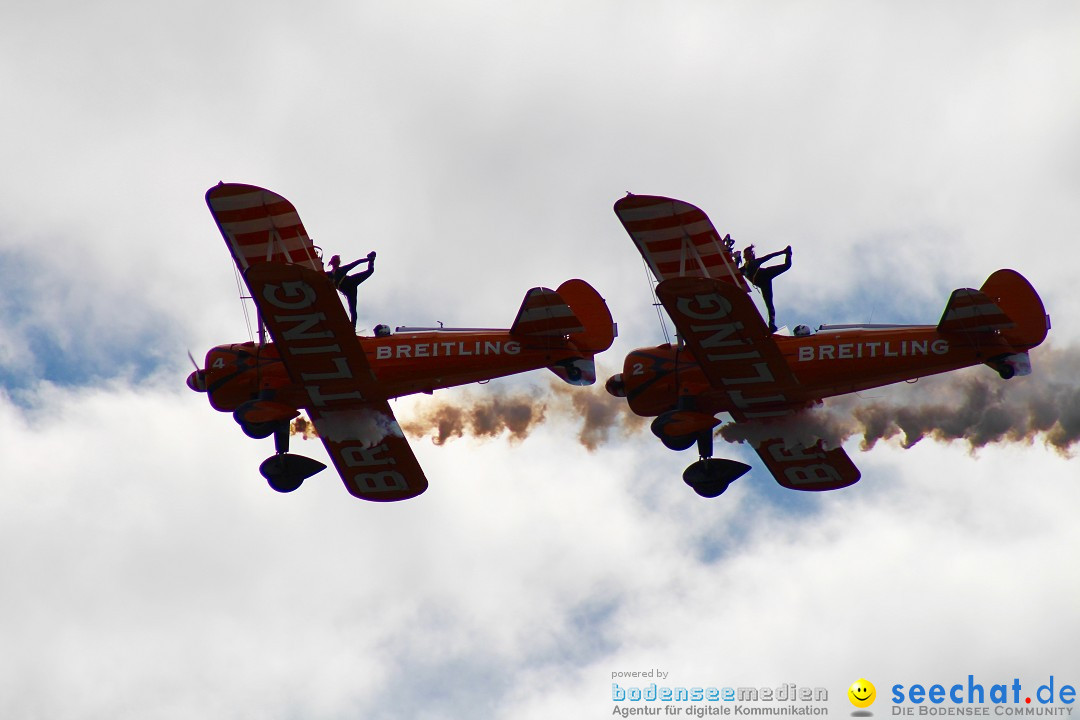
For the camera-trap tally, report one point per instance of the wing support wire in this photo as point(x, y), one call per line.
point(238, 253)
point(651, 281)
point(243, 305)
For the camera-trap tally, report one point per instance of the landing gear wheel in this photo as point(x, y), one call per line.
point(258, 431)
point(711, 477)
point(678, 442)
point(286, 472)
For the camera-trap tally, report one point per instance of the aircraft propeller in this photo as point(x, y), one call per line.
point(196, 380)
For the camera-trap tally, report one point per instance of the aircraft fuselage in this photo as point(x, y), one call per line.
point(824, 364)
point(403, 364)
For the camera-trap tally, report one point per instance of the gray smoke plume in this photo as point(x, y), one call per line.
point(489, 413)
point(972, 405)
point(477, 417)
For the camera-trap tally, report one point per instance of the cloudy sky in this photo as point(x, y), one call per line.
point(146, 570)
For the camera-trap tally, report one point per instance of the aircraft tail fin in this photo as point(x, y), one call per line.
point(597, 333)
point(574, 318)
point(574, 312)
point(1006, 303)
point(544, 314)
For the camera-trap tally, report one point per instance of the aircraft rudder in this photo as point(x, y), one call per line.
point(592, 310)
point(1019, 300)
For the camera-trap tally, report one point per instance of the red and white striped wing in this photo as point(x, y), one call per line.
point(676, 239)
point(260, 226)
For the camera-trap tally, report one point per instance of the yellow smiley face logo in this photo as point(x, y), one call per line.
point(862, 693)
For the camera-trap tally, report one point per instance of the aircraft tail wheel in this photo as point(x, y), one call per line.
point(711, 477)
point(286, 472)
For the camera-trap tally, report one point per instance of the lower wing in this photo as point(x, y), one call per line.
point(370, 452)
point(808, 468)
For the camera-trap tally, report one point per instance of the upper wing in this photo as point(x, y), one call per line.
point(316, 342)
point(728, 338)
point(813, 468)
point(677, 239)
point(260, 226)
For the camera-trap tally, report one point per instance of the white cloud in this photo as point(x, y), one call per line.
point(148, 560)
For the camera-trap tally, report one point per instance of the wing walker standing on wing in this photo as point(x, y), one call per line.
point(762, 277)
point(348, 284)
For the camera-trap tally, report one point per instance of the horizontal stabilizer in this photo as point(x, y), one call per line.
point(575, 370)
point(544, 314)
point(970, 311)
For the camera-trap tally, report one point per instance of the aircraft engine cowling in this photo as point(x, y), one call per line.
point(235, 374)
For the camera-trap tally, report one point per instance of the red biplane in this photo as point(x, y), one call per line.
point(727, 361)
point(318, 364)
